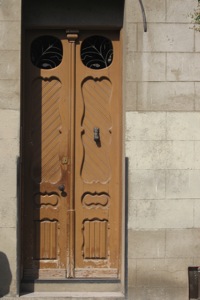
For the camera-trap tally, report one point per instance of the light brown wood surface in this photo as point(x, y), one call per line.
point(75, 233)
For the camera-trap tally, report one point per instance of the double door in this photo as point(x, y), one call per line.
point(71, 155)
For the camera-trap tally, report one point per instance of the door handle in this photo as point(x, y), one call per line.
point(62, 189)
point(96, 134)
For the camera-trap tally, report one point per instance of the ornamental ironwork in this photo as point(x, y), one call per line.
point(97, 52)
point(46, 52)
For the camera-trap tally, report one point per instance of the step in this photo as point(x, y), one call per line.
point(69, 295)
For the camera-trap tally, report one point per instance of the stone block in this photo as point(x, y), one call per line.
point(9, 94)
point(161, 214)
point(146, 244)
point(183, 126)
point(145, 126)
point(160, 154)
point(155, 11)
point(197, 96)
point(183, 66)
point(131, 37)
point(9, 150)
point(10, 35)
point(158, 293)
point(196, 262)
point(179, 11)
point(183, 243)
point(145, 66)
point(147, 154)
point(132, 272)
point(175, 96)
point(182, 184)
point(8, 212)
point(10, 10)
point(166, 38)
point(146, 293)
point(196, 155)
point(8, 182)
point(197, 41)
point(8, 242)
point(147, 184)
point(197, 214)
point(176, 293)
point(9, 128)
point(163, 272)
point(9, 65)
point(132, 214)
point(132, 293)
point(130, 95)
point(180, 155)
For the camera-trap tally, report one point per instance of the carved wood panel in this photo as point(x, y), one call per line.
point(96, 97)
point(95, 241)
point(46, 243)
point(46, 143)
point(45, 130)
point(98, 161)
point(72, 161)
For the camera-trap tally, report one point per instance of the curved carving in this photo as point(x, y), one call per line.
point(45, 130)
point(46, 199)
point(96, 94)
point(95, 199)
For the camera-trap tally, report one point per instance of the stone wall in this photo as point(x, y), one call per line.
point(161, 88)
point(163, 144)
point(10, 28)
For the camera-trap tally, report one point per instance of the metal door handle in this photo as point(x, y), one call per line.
point(62, 189)
point(96, 134)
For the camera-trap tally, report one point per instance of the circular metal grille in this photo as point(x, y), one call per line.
point(46, 52)
point(97, 52)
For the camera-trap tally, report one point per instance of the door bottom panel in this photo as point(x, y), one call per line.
point(96, 273)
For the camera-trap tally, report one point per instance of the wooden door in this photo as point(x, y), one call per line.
point(46, 153)
point(98, 159)
point(71, 167)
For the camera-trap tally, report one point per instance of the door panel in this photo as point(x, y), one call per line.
point(46, 168)
point(98, 166)
point(96, 95)
point(71, 163)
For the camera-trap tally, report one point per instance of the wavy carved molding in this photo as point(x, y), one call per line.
point(96, 94)
point(46, 199)
point(45, 130)
point(92, 200)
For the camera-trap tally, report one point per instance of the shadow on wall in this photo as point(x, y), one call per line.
point(5, 275)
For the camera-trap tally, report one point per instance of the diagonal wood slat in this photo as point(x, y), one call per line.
point(96, 98)
point(45, 125)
